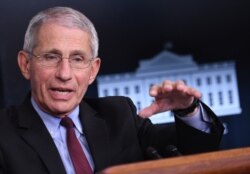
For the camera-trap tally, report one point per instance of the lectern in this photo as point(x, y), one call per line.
point(233, 161)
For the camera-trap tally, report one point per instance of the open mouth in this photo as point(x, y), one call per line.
point(61, 92)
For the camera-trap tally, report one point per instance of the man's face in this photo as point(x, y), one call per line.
point(58, 90)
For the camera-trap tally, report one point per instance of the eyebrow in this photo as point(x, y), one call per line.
point(74, 52)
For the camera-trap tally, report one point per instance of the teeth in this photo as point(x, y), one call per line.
point(62, 92)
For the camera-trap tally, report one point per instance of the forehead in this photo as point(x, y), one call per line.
point(56, 36)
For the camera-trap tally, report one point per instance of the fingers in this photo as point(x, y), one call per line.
point(168, 96)
point(148, 111)
point(194, 92)
point(166, 86)
point(182, 87)
point(179, 86)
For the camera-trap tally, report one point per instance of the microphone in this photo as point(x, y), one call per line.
point(172, 151)
point(152, 153)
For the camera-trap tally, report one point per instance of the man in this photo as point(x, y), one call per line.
point(60, 59)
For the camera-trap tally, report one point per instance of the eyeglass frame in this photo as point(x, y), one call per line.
point(42, 57)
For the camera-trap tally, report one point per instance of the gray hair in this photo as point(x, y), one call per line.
point(65, 16)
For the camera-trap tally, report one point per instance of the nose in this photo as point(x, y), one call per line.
point(64, 70)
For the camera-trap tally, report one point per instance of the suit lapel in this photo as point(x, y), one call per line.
point(97, 136)
point(34, 132)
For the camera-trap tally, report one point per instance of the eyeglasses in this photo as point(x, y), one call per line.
point(76, 61)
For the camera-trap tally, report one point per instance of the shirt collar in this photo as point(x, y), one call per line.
point(53, 122)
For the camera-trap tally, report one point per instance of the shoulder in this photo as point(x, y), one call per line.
point(7, 113)
point(12, 114)
point(8, 120)
point(12, 111)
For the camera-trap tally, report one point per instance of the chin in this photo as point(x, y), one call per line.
point(62, 108)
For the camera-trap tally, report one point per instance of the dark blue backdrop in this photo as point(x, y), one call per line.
point(131, 30)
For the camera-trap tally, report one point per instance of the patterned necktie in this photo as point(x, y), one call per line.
point(76, 153)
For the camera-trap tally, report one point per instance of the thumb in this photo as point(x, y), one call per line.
point(148, 111)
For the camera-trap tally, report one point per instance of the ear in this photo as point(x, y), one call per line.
point(24, 64)
point(95, 66)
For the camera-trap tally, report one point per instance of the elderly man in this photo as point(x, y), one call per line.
point(57, 130)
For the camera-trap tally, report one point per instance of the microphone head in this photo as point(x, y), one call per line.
point(152, 153)
point(172, 151)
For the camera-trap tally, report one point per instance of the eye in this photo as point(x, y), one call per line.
point(77, 58)
point(51, 57)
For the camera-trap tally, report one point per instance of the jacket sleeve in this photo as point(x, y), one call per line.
point(192, 140)
point(188, 139)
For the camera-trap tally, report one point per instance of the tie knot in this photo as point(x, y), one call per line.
point(67, 122)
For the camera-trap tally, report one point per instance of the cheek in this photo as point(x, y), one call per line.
point(39, 79)
point(83, 83)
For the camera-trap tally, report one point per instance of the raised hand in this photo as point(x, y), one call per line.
point(169, 96)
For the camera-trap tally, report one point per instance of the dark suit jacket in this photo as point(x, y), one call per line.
point(114, 132)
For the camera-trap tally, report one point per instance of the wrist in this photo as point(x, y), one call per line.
point(188, 110)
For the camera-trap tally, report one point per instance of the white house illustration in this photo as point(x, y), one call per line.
point(216, 81)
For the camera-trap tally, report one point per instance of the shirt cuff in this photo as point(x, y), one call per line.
point(200, 120)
